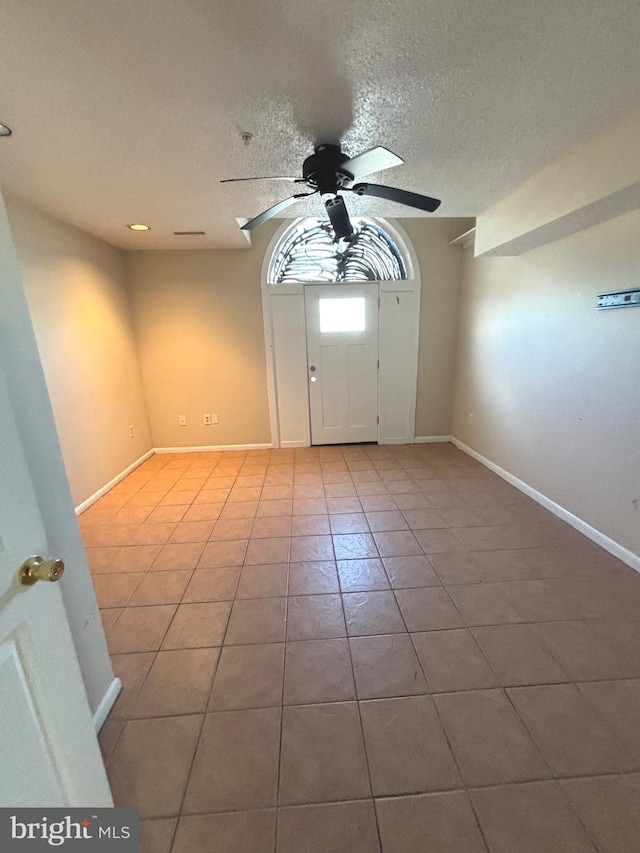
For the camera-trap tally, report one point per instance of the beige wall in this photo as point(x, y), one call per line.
point(80, 309)
point(441, 271)
point(553, 384)
point(198, 319)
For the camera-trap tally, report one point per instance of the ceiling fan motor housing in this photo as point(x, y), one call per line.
point(321, 170)
point(330, 172)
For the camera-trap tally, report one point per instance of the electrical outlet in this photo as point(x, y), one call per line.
point(182, 420)
point(207, 419)
point(132, 433)
point(470, 418)
point(214, 419)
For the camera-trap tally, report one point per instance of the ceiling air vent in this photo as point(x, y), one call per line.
point(189, 233)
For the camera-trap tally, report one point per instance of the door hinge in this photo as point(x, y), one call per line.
point(378, 419)
point(378, 364)
point(378, 301)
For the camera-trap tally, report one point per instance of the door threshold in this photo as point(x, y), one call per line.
point(348, 444)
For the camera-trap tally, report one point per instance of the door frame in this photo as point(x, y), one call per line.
point(286, 351)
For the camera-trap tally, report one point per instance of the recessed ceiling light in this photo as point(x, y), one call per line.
point(5, 131)
point(138, 227)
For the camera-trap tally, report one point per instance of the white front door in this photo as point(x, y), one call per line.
point(342, 367)
point(49, 754)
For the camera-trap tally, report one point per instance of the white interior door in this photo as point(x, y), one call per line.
point(342, 352)
point(48, 746)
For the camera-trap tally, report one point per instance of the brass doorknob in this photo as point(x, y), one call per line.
point(36, 569)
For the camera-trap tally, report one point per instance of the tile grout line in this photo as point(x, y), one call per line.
point(155, 654)
point(204, 717)
point(284, 677)
point(590, 835)
point(433, 695)
point(443, 729)
point(459, 789)
point(364, 739)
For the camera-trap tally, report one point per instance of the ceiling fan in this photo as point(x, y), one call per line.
point(331, 172)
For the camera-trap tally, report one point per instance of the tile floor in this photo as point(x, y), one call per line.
point(363, 650)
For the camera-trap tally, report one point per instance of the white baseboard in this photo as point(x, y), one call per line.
point(108, 486)
point(581, 526)
point(106, 704)
point(432, 439)
point(209, 448)
point(288, 444)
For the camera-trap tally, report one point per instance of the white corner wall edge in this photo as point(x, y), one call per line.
point(211, 447)
point(108, 486)
point(432, 439)
point(610, 545)
point(106, 704)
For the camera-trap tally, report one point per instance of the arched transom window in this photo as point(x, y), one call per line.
point(308, 252)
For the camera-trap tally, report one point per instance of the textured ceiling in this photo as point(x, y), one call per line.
point(126, 112)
